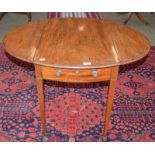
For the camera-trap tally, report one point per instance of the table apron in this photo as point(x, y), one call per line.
point(74, 75)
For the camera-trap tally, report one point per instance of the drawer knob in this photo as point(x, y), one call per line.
point(94, 73)
point(58, 72)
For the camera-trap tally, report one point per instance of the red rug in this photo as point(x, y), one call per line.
point(5, 138)
point(75, 112)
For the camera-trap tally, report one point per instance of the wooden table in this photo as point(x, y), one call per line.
point(76, 50)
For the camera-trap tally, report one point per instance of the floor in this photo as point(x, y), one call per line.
point(12, 20)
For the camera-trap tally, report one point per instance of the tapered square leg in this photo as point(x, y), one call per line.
point(113, 80)
point(39, 82)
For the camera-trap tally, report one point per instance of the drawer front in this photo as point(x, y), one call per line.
point(75, 75)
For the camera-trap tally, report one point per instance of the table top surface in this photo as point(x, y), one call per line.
point(76, 43)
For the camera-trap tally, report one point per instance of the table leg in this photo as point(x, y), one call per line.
point(2, 15)
point(39, 82)
point(128, 17)
point(141, 18)
point(29, 16)
point(113, 80)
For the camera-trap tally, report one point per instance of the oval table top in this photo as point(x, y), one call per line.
point(76, 43)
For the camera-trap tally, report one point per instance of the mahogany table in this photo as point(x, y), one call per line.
point(76, 51)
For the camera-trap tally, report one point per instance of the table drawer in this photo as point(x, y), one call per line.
point(75, 75)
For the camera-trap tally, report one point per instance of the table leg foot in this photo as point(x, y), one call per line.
point(104, 138)
point(45, 139)
point(71, 139)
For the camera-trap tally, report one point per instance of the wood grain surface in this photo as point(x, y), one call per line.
point(76, 43)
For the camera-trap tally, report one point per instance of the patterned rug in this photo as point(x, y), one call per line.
point(5, 138)
point(73, 15)
point(75, 112)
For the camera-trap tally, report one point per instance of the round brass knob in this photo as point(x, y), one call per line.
point(58, 72)
point(94, 73)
